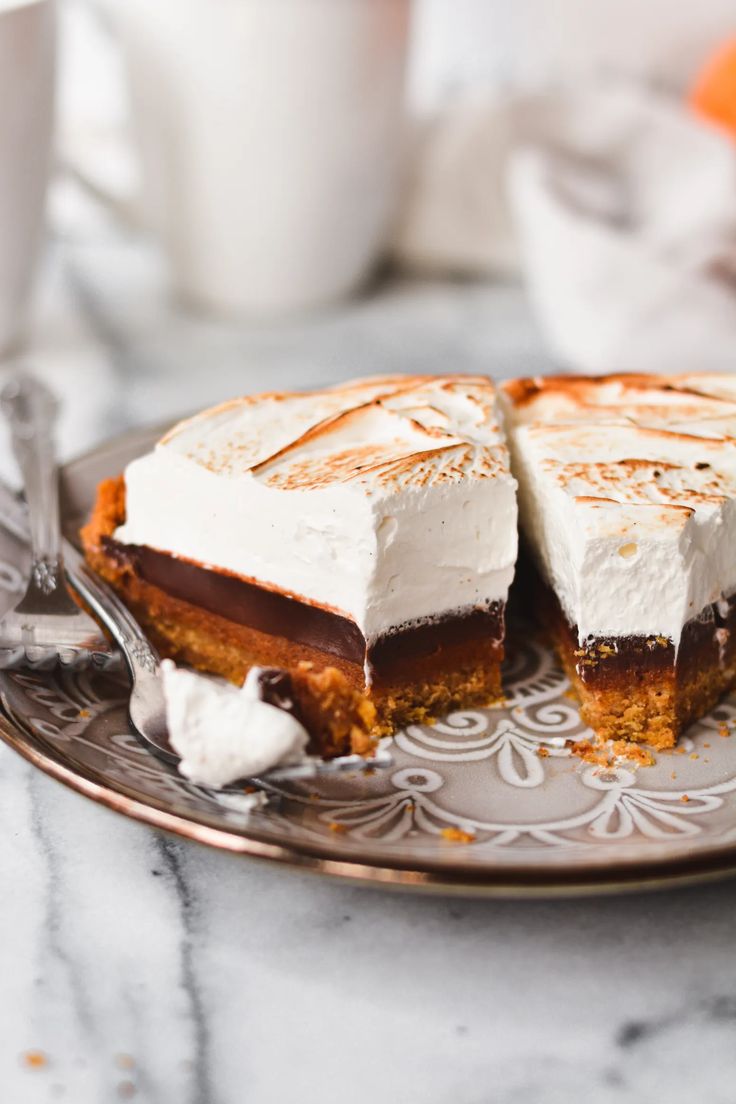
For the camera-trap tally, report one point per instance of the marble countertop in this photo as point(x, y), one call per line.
point(147, 968)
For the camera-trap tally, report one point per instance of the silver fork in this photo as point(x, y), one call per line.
point(46, 626)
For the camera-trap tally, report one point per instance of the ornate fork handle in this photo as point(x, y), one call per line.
point(31, 411)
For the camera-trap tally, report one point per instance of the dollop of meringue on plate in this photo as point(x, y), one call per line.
point(223, 732)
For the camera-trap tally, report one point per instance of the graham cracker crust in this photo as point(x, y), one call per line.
point(407, 689)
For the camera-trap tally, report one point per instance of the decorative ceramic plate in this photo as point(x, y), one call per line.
point(487, 801)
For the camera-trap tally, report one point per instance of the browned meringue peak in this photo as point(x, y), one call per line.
point(677, 400)
point(633, 438)
point(635, 464)
point(386, 432)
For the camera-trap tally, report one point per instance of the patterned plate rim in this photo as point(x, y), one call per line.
point(462, 879)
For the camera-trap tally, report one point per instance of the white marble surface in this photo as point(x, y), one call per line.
point(150, 969)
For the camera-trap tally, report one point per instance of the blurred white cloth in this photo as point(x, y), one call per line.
point(625, 212)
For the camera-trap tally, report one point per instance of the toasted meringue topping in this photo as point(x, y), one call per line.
point(388, 431)
point(387, 499)
point(618, 461)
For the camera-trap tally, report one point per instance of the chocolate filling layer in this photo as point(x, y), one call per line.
point(708, 640)
point(274, 613)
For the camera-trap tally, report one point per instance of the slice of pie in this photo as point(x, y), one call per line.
point(627, 496)
point(369, 528)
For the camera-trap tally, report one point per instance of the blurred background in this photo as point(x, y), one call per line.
point(200, 198)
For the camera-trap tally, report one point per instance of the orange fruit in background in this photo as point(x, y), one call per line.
point(713, 94)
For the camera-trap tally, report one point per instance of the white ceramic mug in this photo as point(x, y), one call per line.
point(269, 135)
point(26, 116)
